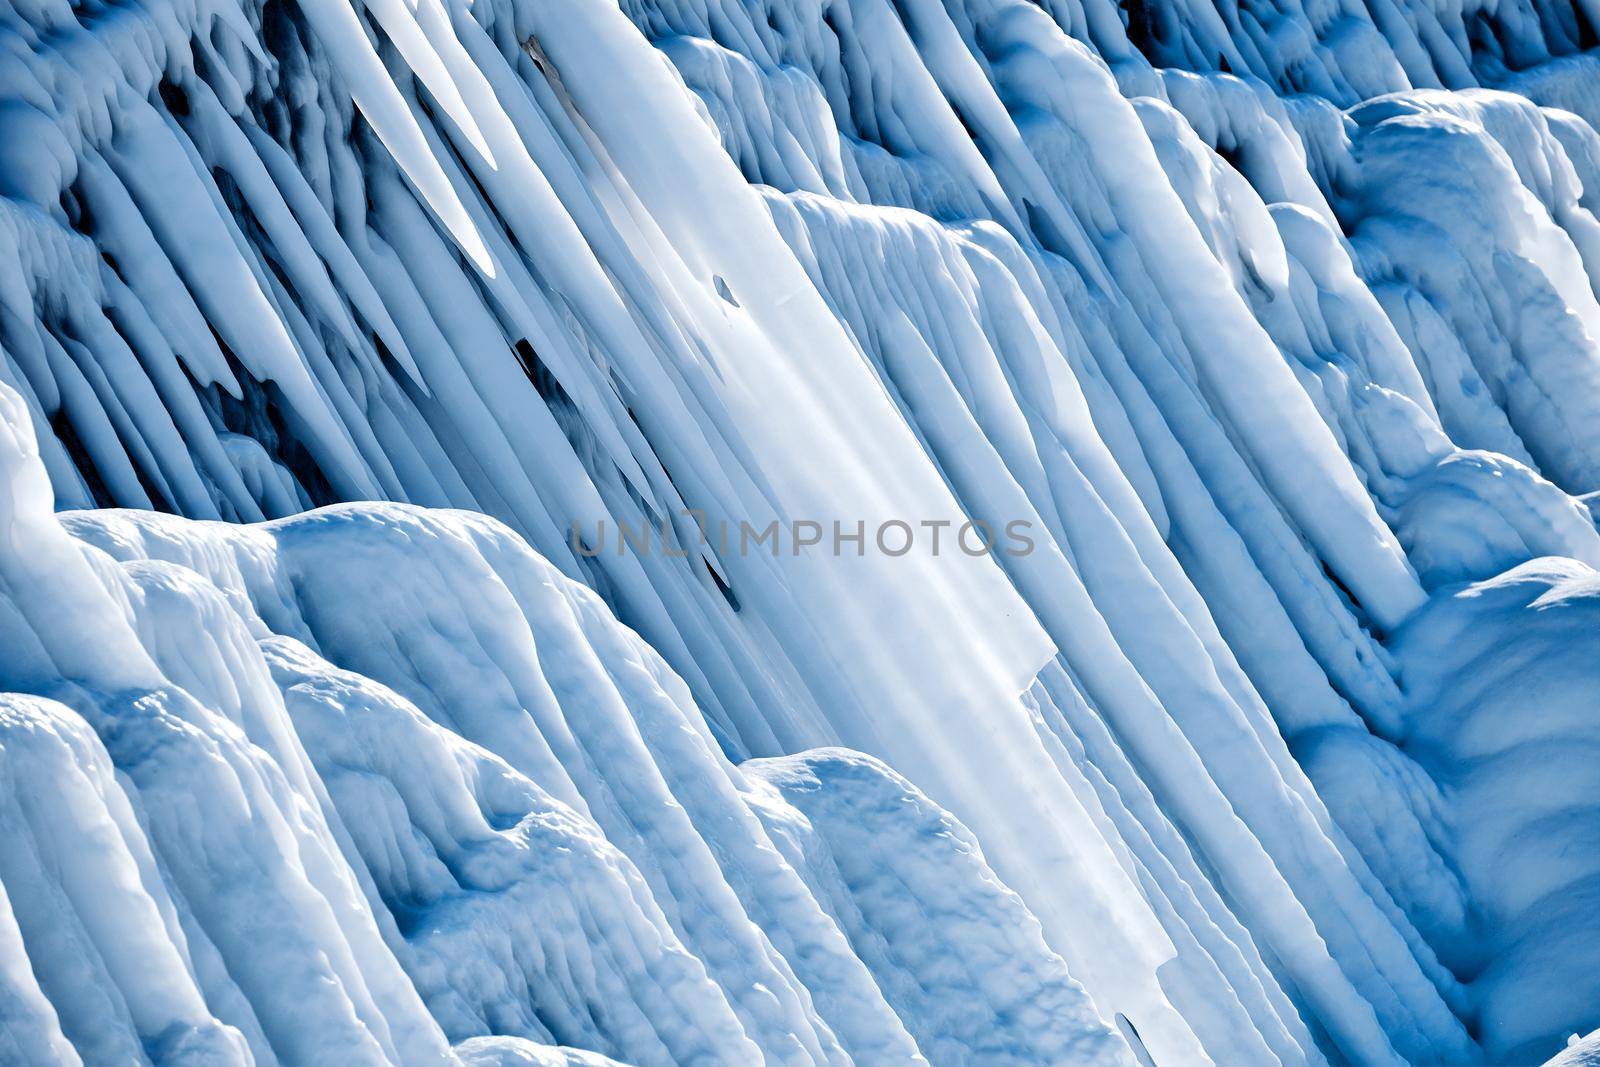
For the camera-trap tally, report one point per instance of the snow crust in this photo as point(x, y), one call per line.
point(1278, 324)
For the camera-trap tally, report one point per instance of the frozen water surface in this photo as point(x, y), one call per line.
point(341, 340)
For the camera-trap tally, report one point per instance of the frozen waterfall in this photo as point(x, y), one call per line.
point(566, 533)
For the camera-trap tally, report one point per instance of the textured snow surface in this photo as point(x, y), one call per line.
point(357, 785)
point(322, 323)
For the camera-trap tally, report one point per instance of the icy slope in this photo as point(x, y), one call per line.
point(1266, 362)
point(224, 845)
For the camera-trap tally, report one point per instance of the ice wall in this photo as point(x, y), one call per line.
point(265, 818)
point(1270, 361)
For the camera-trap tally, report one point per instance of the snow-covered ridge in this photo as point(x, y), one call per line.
point(1277, 748)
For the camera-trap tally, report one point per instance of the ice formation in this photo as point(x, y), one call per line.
point(335, 336)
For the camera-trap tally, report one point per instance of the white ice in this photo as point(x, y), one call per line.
point(324, 324)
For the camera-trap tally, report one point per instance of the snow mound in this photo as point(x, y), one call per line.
point(1502, 676)
point(380, 780)
point(514, 1052)
point(878, 854)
